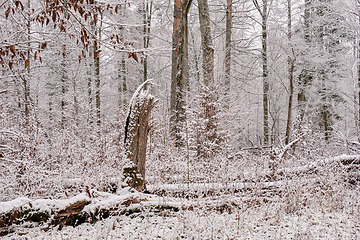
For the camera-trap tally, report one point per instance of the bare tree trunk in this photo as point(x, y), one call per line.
point(122, 86)
point(26, 79)
point(265, 73)
point(208, 75)
point(228, 53)
point(358, 66)
point(305, 77)
point(76, 103)
point(264, 15)
point(147, 8)
point(291, 78)
point(64, 82)
point(97, 74)
point(206, 44)
point(89, 87)
point(179, 73)
point(136, 132)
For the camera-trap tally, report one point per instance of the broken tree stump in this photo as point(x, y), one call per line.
point(136, 133)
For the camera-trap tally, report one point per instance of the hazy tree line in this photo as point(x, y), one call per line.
point(228, 74)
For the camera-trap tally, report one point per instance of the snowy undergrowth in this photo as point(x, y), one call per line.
point(258, 221)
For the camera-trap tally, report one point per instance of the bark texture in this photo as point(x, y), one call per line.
point(228, 53)
point(291, 66)
point(136, 132)
point(263, 11)
point(206, 44)
point(179, 74)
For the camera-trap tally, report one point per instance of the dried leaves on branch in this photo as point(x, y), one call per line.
point(76, 19)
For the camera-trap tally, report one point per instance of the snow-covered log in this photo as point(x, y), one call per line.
point(346, 160)
point(89, 206)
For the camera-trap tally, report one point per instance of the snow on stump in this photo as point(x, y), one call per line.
point(136, 132)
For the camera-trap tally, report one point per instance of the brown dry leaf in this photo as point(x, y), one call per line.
point(7, 12)
point(27, 62)
point(12, 49)
point(95, 19)
point(135, 57)
point(10, 65)
point(43, 45)
point(54, 16)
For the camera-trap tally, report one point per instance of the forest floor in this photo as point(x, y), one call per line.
point(320, 200)
point(226, 216)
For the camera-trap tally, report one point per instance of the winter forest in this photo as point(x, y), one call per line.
point(181, 119)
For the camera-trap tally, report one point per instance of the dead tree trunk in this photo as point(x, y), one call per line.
point(136, 132)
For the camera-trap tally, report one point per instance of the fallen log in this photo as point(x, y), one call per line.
point(82, 208)
point(345, 160)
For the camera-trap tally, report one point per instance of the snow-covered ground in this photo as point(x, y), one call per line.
point(225, 217)
point(319, 200)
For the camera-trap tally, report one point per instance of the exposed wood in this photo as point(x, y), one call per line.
point(136, 132)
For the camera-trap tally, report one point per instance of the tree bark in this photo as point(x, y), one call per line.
point(206, 44)
point(228, 53)
point(179, 74)
point(136, 132)
point(27, 78)
point(358, 68)
point(305, 77)
point(97, 82)
point(291, 78)
point(263, 11)
point(147, 8)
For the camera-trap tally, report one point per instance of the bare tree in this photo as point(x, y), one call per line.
point(228, 52)
point(291, 66)
point(263, 11)
point(179, 73)
point(147, 11)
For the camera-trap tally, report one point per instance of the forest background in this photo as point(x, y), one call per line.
point(239, 84)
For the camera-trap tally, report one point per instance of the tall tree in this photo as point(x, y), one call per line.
point(305, 77)
point(326, 36)
point(228, 52)
point(358, 71)
point(147, 11)
point(206, 44)
point(179, 72)
point(96, 51)
point(263, 11)
point(291, 66)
